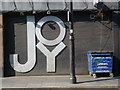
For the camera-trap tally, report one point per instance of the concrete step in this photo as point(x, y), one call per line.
point(62, 82)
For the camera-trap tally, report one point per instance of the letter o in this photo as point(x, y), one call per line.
point(39, 29)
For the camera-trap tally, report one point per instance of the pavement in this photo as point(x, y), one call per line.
point(83, 81)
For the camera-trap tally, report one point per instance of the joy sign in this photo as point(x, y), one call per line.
point(36, 31)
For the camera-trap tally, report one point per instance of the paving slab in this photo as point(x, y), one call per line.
point(83, 81)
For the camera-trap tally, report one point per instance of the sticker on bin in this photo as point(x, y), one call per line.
point(102, 71)
point(103, 60)
point(102, 64)
point(102, 67)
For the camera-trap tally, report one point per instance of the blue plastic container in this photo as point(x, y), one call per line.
point(100, 62)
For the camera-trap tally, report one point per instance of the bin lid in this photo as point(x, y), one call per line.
point(100, 52)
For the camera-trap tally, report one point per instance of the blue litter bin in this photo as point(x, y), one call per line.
point(100, 62)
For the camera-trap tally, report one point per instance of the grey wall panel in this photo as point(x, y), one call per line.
point(58, 5)
point(7, 6)
point(20, 33)
point(29, 5)
point(89, 36)
point(116, 26)
point(40, 6)
point(83, 5)
point(23, 6)
point(113, 5)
